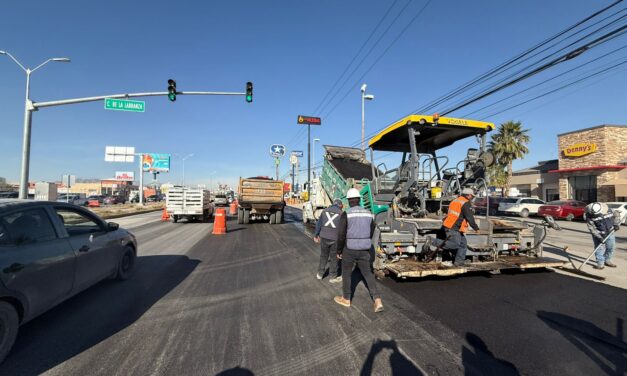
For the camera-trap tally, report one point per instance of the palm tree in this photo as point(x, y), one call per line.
point(508, 144)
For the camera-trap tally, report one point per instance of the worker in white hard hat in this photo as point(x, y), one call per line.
point(458, 218)
point(355, 232)
point(602, 223)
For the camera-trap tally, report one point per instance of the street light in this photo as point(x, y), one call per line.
point(28, 111)
point(313, 154)
point(364, 97)
point(183, 159)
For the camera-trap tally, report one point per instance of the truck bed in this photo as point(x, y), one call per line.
point(260, 191)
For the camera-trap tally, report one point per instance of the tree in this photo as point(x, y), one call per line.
point(497, 176)
point(508, 144)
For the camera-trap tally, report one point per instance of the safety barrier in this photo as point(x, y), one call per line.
point(219, 222)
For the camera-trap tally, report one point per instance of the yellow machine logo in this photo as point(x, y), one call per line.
point(579, 150)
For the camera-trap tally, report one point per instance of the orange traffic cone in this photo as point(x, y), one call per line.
point(165, 216)
point(219, 222)
point(233, 208)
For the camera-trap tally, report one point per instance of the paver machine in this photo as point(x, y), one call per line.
point(410, 200)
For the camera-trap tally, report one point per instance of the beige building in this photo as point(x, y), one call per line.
point(590, 163)
point(538, 181)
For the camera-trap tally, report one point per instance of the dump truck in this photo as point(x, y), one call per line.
point(408, 202)
point(191, 203)
point(260, 199)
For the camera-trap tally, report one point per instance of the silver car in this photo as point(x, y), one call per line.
point(50, 251)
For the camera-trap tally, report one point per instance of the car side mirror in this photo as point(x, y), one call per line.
point(112, 226)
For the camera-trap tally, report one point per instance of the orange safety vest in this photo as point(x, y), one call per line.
point(454, 212)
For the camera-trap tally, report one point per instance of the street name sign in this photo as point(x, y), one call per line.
point(297, 153)
point(311, 120)
point(124, 105)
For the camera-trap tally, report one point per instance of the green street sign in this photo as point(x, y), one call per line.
point(124, 105)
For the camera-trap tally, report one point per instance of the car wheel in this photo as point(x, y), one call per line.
point(570, 217)
point(524, 213)
point(127, 263)
point(246, 216)
point(9, 325)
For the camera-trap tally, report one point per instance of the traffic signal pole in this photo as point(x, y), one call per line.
point(35, 106)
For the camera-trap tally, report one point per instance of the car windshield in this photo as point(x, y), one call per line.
point(510, 200)
point(559, 203)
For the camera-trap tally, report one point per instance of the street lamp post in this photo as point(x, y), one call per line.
point(28, 113)
point(183, 160)
point(313, 154)
point(364, 97)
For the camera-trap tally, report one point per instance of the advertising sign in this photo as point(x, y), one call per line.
point(153, 162)
point(119, 154)
point(579, 150)
point(277, 150)
point(297, 153)
point(125, 175)
point(311, 120)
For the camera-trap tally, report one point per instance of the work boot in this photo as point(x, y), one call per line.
point(319, 276)
point(378, 305)
point(427, 246)
point(599, 267)
point(337, 279)
point(341, 301)
point(610, 264)
point(461, 263)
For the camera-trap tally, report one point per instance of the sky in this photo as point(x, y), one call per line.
point(293, 52)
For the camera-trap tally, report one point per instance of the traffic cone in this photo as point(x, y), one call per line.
point(219, 222)
point(165, 216)
point(233, 208)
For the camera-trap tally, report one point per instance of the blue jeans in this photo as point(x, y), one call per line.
point(605, 252)
point(455, 241)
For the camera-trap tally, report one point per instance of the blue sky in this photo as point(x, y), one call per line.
point(293, 51)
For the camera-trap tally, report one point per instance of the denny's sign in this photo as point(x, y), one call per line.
point(578, 150)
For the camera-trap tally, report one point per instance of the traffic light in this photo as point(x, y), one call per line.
point(249, 92)
point(172, 90)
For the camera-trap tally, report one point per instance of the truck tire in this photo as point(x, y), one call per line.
point(9, 325)
point(279, 217)
point(240, 216)
point(273, 218)
point(246, 216)
point(175, 218)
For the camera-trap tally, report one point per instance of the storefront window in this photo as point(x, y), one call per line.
point(583, 188)
point(551, 195)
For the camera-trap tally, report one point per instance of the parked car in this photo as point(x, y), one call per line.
point(621, 207)
point(479, 205)
point(522, 206)
point(50, 251)
point(99, 198)
point(112, 200)
point(154, 198)
point(563, 209)
point(73, 198)
point(9, 194)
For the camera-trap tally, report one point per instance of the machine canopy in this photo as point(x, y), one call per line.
point(433, 133)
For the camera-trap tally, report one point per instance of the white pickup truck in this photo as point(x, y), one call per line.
point(191, 203)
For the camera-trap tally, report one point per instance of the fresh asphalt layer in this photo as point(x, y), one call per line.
point(247, 302)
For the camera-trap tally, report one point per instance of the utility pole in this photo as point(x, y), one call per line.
point(364, 97)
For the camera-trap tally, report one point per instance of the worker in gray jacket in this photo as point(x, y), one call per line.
point(326, 234)
point(602, 221)
point(354, 243)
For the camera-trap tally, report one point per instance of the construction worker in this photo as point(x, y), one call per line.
point(602, 221)
point(353, 248)
point(326, 234)
point(458, 218)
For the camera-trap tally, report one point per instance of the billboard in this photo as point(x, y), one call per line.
point(125, 175)
point(154, 162)
point(119, 154)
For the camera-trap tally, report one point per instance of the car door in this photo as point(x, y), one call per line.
point(95, 249)
point(35, 262)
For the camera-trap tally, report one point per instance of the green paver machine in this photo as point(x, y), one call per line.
point(409, 202)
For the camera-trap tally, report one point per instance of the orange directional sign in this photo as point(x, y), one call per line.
point(311, 120)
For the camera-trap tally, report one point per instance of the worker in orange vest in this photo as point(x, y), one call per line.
point(458, 218)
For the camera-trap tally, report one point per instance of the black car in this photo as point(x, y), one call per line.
point(50, 251)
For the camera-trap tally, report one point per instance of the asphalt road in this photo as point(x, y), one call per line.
point(248, 303)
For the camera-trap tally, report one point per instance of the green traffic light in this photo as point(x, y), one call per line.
point(172, 96)
point(249, 98)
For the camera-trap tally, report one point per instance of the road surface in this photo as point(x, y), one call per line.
point(248, 303)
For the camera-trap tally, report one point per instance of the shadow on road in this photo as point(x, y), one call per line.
point(94, 315)
point(399, 364)
point(608, 351)
point(479, 360)
point(236, 371)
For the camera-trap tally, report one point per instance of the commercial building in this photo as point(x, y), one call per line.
point(537, 181)
point(592, 164)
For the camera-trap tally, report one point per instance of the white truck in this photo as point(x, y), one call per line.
point(191, 203)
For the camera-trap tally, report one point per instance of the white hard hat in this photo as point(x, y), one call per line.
point(353, 193)
point(468, 191)
point(594, 208)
